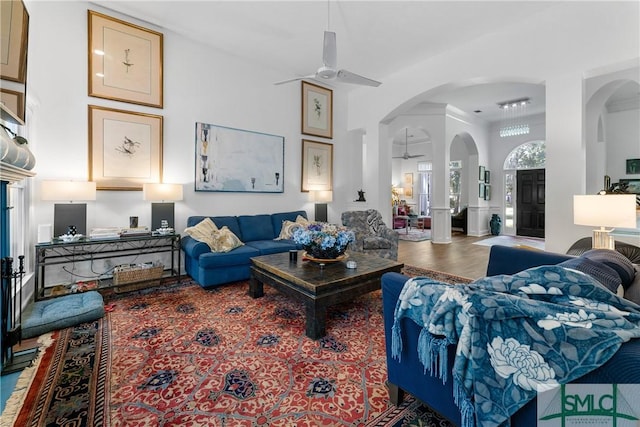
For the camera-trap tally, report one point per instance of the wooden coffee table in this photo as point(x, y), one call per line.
point(316, 286)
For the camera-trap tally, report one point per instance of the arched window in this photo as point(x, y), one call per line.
point(530, 155)
point(527, 156)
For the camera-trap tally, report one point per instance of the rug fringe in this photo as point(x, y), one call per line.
point(17, 398)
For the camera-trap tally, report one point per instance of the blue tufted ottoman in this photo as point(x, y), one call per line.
point(61, 312)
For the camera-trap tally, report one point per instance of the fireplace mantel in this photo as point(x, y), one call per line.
point(13, 174)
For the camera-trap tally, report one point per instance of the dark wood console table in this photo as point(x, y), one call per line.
point(316, 287)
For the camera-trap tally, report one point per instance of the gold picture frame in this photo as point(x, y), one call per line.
point(14, 101)
point(125, 148)
point(125, 61)
point(13, 61)
point(317, 110)
point(408, 192)
point(317, 166)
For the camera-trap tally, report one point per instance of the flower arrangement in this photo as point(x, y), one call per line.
point(322, 240)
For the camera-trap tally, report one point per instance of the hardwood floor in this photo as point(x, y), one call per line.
point(461, 257)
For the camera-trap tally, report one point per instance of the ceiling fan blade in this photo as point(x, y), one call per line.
point(349, 77)
point(295, 79)
point(329, 50)
point(413, 156)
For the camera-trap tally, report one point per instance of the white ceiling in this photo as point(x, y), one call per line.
point(374, 38)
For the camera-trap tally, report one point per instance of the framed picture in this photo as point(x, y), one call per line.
point(408, 179)
point(14, 101)
point(633, 166)
point(481, 173)
point(236, 160)
point(487, 192)
point(15, 21)
point(487, 177)
point(125, 148)
point(317, 110)
point(633, 185)
point(408, 192)
point(481, 190)
point(125, 61)
point(317, 165)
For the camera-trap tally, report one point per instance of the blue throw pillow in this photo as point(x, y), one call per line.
point(599, 271)
point(614, 259)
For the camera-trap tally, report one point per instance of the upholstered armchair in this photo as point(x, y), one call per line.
point(399, 220)
point(372, 235)
point(459, 220)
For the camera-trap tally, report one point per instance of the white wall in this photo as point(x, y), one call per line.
point(557, 47)
point(200, 84)
point(623, 142)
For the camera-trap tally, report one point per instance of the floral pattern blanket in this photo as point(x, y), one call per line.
point(514, 335)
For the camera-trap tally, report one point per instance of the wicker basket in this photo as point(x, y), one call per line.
point(123, 275)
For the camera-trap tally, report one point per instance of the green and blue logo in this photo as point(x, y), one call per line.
point(589, 405)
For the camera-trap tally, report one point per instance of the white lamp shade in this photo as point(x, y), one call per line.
point(68, 190)
point(608, 210)
point(162, 192)
point(324, 196)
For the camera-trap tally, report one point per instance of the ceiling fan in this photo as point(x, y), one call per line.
point(329, 69)
point(406, 154)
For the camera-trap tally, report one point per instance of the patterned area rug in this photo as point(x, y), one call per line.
point(414, 234)
point(182, 355)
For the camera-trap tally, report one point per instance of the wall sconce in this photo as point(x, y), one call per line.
point(607, 210)
point(167, 194)
point(321, 198)
point(70, 216)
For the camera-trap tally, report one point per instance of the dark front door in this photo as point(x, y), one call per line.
point(530, 205)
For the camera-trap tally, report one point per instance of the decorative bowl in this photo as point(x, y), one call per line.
point(70, 237)
point(342, 257)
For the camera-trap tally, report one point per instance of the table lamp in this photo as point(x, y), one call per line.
point(605, 210)
point(69, 217)
point(321, 198)
point(166, 194)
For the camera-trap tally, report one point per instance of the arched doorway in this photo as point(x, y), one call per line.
point(411, 167)
point(612, 129)
point(523, 165)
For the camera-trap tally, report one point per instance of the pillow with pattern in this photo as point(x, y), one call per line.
point(204, 231)
point(225, 240)
point(288, 227)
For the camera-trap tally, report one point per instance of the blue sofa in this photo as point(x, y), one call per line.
point(257, 232)
point(409, 376)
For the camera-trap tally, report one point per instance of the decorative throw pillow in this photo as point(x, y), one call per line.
point(225, 240)
point(374, 220)
point(288, 227)
point(614, 259)
point(599, 271)
point(204, 231)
